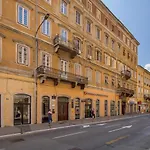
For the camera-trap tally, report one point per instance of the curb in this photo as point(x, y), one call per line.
point(70, 126)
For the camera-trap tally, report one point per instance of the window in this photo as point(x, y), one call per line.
point(113, 63)
point(106, 80)
point(77, 69)
point(98, 14)
point(64, 35)
point(98, 55)
point(112, 28)
point(88, 26)
point(113, 82)
point(23, 16)
point(78, 18)
point(113, 44)
point(119, 46)
point(128, 55)
point(118, 33)
point(89, 6)
point(63, 7)
point(124, 38)
point(107, 59)
point(77, 43)
point(124, 52)
point(89, 74)
point(106, 40)
point(106, 22)
point(46, 59)
point(89, 51)
point(22, 54)
point(98, 78)
point(46, 27)
point(98, 33)
point(128, 42)
point(131, 58)
point(135, 61)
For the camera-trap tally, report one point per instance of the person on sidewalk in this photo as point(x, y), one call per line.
point(49, 117)
point(93, 113)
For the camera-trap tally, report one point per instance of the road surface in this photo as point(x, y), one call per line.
point(129, 134)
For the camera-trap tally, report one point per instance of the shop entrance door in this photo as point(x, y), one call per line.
point(88, 108)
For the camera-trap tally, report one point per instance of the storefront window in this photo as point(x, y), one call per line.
point(112, 108)
point(97, 108)
point(22, 109)
point(106, 107)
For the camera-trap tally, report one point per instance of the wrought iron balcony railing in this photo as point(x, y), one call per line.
point(124, 92)
point(61, 75)
point(61, 43)
point(126, 74)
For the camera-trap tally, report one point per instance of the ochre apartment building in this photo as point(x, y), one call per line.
point(143, 89)
point(82, 57)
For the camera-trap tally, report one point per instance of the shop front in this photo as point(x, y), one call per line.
point(88, 108)
point(22, 109)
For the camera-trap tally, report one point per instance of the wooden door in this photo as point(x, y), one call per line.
point(62, 111)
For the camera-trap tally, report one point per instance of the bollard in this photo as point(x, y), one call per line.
point(21, 129)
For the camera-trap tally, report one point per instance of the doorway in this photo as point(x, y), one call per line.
point(106, 108)
point(118, 107)
point(22, 109)
point(112, 108)
point(77, 108)
point(97, 108)
point(63, 108)
point(45, 108)
point(88, 108)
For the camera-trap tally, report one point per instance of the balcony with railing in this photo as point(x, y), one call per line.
point(58, 75)
point(146, 97)
point(125, 92)
point(126, 74)
point(61, 43)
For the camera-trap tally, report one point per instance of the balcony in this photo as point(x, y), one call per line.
point(57, 75)
point(146, 96)
point(124, 92)
point(126, 74)
point(61, 43)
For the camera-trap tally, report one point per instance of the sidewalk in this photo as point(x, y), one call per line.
point(35, 128)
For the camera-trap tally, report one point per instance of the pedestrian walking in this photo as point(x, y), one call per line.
point(93, 113)
point(49, 117)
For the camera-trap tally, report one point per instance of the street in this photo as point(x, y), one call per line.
point(131, 134)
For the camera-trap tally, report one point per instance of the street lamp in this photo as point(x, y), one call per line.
point(36, 60)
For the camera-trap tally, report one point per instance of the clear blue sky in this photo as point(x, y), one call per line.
point(135, 15)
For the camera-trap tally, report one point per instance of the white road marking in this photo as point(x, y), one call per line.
point(69, 135)
point(101, 124)
point(125, 127)
point(112, 125)
point(86, 126)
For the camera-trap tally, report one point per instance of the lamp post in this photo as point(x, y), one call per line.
point(36, 61)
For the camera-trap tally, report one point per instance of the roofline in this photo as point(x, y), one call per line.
point(144, 69)
point(119, 22)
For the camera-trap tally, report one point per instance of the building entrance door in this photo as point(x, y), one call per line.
point(88, 108)
point(97, 108)
point(63, 106)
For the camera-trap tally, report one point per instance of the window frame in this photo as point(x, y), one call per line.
point(28, 55)
point(50, 59)
point(62, 8)
point(77, 12)
point(88, 29)
point(28, 16)
point(49, 34)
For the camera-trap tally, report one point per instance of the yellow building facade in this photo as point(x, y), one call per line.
point(143, 89)
point(81, 58)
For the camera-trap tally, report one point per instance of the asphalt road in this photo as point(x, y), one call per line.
point(131, 134)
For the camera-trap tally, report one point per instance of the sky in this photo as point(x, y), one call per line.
point(135, 15)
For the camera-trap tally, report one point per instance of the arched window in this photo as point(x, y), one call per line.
point(22, 109)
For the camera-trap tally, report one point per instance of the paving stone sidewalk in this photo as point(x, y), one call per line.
point(37, 127)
